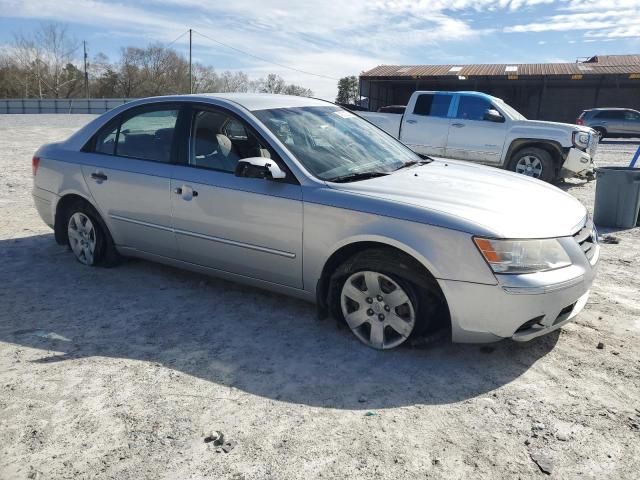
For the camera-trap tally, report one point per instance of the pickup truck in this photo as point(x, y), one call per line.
point(481, 128)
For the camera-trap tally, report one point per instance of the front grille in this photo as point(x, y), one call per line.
point(587, 238)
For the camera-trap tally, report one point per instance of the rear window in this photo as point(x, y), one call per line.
point(432, 105)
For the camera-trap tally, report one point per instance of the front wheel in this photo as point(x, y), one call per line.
point(533, 162)
point(382, 298)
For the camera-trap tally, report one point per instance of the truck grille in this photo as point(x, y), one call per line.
point(587, 238)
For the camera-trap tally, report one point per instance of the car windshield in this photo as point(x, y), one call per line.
point(509, 110)
point(335, 144)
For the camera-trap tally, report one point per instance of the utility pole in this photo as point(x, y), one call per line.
point(86, 75)
point(190, 79)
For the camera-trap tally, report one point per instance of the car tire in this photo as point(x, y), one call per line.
point(601, 131)
point(405, 306)
point(88, 237)
point(533, 162)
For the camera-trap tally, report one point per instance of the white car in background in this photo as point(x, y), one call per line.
point(477, 127)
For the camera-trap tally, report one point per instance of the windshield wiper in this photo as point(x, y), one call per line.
point(424, 160)
point(354, 177)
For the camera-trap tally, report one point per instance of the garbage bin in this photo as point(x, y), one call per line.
point(617, 197)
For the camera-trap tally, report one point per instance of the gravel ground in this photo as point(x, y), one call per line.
point(121, 373)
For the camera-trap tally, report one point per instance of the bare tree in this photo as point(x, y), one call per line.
point(44, 64)
point(45, 56)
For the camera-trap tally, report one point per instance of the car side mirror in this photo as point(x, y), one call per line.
point(259, 167)
point(493, 115)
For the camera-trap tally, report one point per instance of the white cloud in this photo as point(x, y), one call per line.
point(333, 38)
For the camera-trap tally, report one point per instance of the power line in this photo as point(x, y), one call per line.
point(264, 59)
point(177, 38)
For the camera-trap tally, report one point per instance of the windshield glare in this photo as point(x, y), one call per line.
point(332, 142)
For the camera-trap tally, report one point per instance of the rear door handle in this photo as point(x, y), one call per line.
point(457, 125)
point(412, 121)
point(186, 192)
point(99, 176)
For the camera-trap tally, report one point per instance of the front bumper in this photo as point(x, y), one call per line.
point(579, 163)
point(522, 307)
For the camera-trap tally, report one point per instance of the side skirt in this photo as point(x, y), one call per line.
point(233, 277)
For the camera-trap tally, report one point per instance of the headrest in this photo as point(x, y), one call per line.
point(224, 144)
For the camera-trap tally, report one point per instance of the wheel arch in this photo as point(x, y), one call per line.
point(352, 247)
point(550, 146)
point(67, 199)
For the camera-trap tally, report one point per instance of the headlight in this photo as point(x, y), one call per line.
point(522, 256)
point(581, 140)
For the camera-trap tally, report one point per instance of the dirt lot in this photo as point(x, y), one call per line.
point(121, 373)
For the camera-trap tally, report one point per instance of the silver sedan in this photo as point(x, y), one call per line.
point(302, 197)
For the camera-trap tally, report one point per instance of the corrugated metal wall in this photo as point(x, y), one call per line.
point(546, 98)
point(60, 105)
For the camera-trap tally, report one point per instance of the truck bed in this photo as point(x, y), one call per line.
point(389, 122)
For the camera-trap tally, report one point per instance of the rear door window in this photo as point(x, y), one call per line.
point(472, 108)
point(432, 105)
point(147, 135)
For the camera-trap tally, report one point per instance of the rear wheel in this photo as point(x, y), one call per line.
point(88, 237)
point(382, 299)
point(533, 162)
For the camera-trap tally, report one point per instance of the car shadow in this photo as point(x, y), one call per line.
point(255, 341)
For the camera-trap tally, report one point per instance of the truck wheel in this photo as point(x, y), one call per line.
point(533, 162)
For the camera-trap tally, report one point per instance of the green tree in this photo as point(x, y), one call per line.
point(348, 90)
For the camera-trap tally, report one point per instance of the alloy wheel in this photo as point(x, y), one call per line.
point(530, 166)
point(82, 237)
point(378, 311)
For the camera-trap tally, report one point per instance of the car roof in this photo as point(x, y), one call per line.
point(607, 108)
point(263, 101)
point(460, 92)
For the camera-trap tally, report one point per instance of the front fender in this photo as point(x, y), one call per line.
point(445, 253)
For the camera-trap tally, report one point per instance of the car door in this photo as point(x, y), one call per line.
point(245, 226)
point(128, 171)
point(425, 125)
point(612, 121)
point(472, 136)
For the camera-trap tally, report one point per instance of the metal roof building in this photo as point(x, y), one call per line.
point(549, 91)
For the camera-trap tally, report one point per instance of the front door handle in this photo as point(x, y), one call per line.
point(411, 121)
point(457, 125)
point(101, 177)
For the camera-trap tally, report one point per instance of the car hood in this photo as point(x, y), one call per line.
point(543, 124)
point(507, 204)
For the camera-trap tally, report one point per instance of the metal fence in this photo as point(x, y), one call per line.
point(60, 105)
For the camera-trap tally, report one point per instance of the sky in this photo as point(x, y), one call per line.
point(332, 39)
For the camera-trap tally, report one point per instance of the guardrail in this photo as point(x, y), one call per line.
point(60, 105)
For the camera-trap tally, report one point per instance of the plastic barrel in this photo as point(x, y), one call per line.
point(617, 197)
